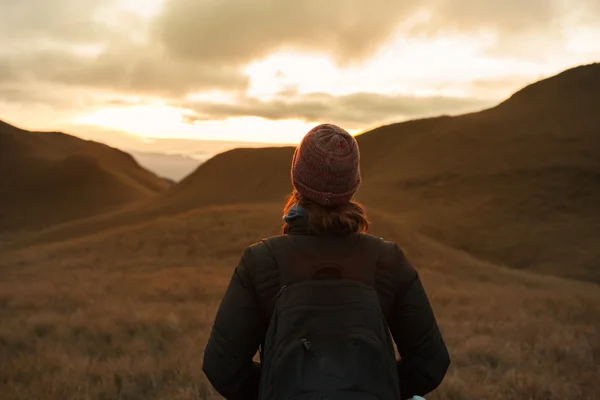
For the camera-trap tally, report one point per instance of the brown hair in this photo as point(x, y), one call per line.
point(349, 217)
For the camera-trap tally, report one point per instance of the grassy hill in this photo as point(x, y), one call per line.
point(49, 177)
point(517, 184)
point(244, 175)
point(126, 313)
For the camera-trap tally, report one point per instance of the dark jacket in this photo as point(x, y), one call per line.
point(242, 319)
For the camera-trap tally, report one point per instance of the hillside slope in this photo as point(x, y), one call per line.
point(49, 177)
point(518, 184)
point(244, 175)
point(127, 312)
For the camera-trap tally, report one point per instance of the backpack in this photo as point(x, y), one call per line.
point(328, 338)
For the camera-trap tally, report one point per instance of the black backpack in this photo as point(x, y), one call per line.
point(328, 338)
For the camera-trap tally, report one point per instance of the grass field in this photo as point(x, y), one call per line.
point(125, 314)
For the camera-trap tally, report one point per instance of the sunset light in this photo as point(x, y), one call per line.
point(313, 199)
point(267, 86)
point(402, 68)
point(162, 121)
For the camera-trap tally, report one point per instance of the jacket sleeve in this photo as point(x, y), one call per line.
point(424, 356)
point(235, 338)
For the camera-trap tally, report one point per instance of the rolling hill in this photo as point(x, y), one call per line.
point(125, 313)
point(517, 185)
point(49, 177)
point(244, 175)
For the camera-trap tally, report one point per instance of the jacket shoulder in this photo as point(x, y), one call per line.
point(394, 266)
point(258, 266)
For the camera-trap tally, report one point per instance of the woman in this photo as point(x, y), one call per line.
point(323, 223)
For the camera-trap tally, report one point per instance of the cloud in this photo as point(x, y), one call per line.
point(499, 87)
point(63, 19)
point(352, 111)
point(201, 45)
point(229, 31)
point(518, 29)
point(511, 17)
point(60, 98)
point(97, 44)
point(23, 95)
point(124, 69)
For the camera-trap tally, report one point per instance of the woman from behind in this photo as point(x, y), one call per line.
point(324, 243)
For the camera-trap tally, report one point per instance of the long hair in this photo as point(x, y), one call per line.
point(346, 218)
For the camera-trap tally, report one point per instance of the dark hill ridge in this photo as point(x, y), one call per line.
point(20, 146)
point(517, 184)
point(576, 88)
point(51, 177)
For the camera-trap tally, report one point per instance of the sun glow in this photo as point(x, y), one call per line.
point(404, 66)
point(145, 120)
point(163, 121)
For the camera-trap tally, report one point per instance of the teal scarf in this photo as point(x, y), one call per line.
point(295, 212)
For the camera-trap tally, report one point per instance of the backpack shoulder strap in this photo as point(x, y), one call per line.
point(287, 257)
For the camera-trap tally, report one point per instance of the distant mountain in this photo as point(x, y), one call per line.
point(174, 167)
point(51, 177)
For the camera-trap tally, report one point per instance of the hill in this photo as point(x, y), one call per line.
point(49, 177)
point(245, 174)
point(125, 313)
point(518, 184)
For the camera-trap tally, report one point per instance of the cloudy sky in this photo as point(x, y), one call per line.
point(267, 70)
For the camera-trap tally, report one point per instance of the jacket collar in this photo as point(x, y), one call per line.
point(298, 226)
point(297, 221)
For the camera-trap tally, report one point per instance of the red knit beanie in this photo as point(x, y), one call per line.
point(325, 167)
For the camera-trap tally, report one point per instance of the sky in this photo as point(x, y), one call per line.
point(140, 73)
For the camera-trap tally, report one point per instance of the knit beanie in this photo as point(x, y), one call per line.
point(325, 166)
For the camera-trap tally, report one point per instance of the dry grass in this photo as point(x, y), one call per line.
point(126, 314)
point(105, 334)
